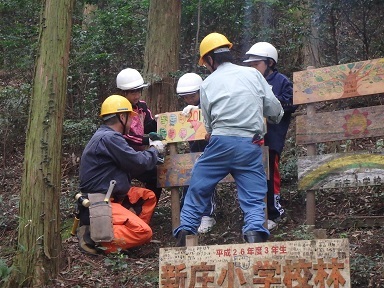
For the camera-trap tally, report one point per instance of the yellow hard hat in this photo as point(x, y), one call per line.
point(115, 104)
point(211, 42)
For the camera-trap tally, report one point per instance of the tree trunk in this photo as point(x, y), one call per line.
point(197, 44)
point(311, 43)
point(161, 56)
point(39, 239)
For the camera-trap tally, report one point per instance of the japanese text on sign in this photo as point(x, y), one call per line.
point(316, 263)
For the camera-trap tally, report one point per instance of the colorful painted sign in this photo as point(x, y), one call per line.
point(175, 127)
point(340, 125)
point(338, 82)
point(306, 263)
point(341, 170)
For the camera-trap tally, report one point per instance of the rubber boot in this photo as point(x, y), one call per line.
point(255, 237)
point(85, 242)
point(181, 238)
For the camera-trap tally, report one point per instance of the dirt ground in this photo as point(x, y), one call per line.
point(139, 267)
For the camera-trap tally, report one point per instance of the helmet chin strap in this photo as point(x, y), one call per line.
point(268, 70)
point(213, 64)
point(124, 124)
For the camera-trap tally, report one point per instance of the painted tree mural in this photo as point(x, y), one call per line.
point(341, 81)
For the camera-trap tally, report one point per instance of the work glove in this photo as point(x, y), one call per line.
point(275, 119)
point(158, 145)
point(155, 136)
point(188, 110)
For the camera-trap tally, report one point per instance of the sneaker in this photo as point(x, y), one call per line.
point(271, 225)
point(85, 242)
point(206, 224)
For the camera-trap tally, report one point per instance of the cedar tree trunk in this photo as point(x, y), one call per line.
point(39, 241)
point(161, 56)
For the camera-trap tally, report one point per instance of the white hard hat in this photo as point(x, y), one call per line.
point(261, 49)
point(188, 84)
point(130, 79)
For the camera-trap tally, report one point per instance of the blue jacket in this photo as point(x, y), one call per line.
point(282, 87)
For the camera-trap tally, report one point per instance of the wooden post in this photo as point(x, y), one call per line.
point(175, 197)
point(191, 240)
point(311, 151)
point(320, 233)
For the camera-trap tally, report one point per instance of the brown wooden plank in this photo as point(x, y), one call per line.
point(340, 125)
point(339, 82)
point(176, 170)
point(341, 170)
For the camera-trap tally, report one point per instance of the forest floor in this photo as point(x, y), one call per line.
point(139, 267)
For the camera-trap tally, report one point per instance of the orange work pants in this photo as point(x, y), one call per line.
point(129, 229)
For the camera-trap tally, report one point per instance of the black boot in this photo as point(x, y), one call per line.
point(85, 242)
point(255, 237)
point(180, 237)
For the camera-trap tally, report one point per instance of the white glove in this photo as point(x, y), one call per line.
point(156, 117)
point(275, 119)
point(158, 145)
point(188, 110)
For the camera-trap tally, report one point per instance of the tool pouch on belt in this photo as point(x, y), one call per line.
point(100, 217)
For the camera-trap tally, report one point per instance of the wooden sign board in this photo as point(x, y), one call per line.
point(338, 82)
point(340, 125)
point(306, 263)
point(341, 170)
point(175, 127)
point(176, 170)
